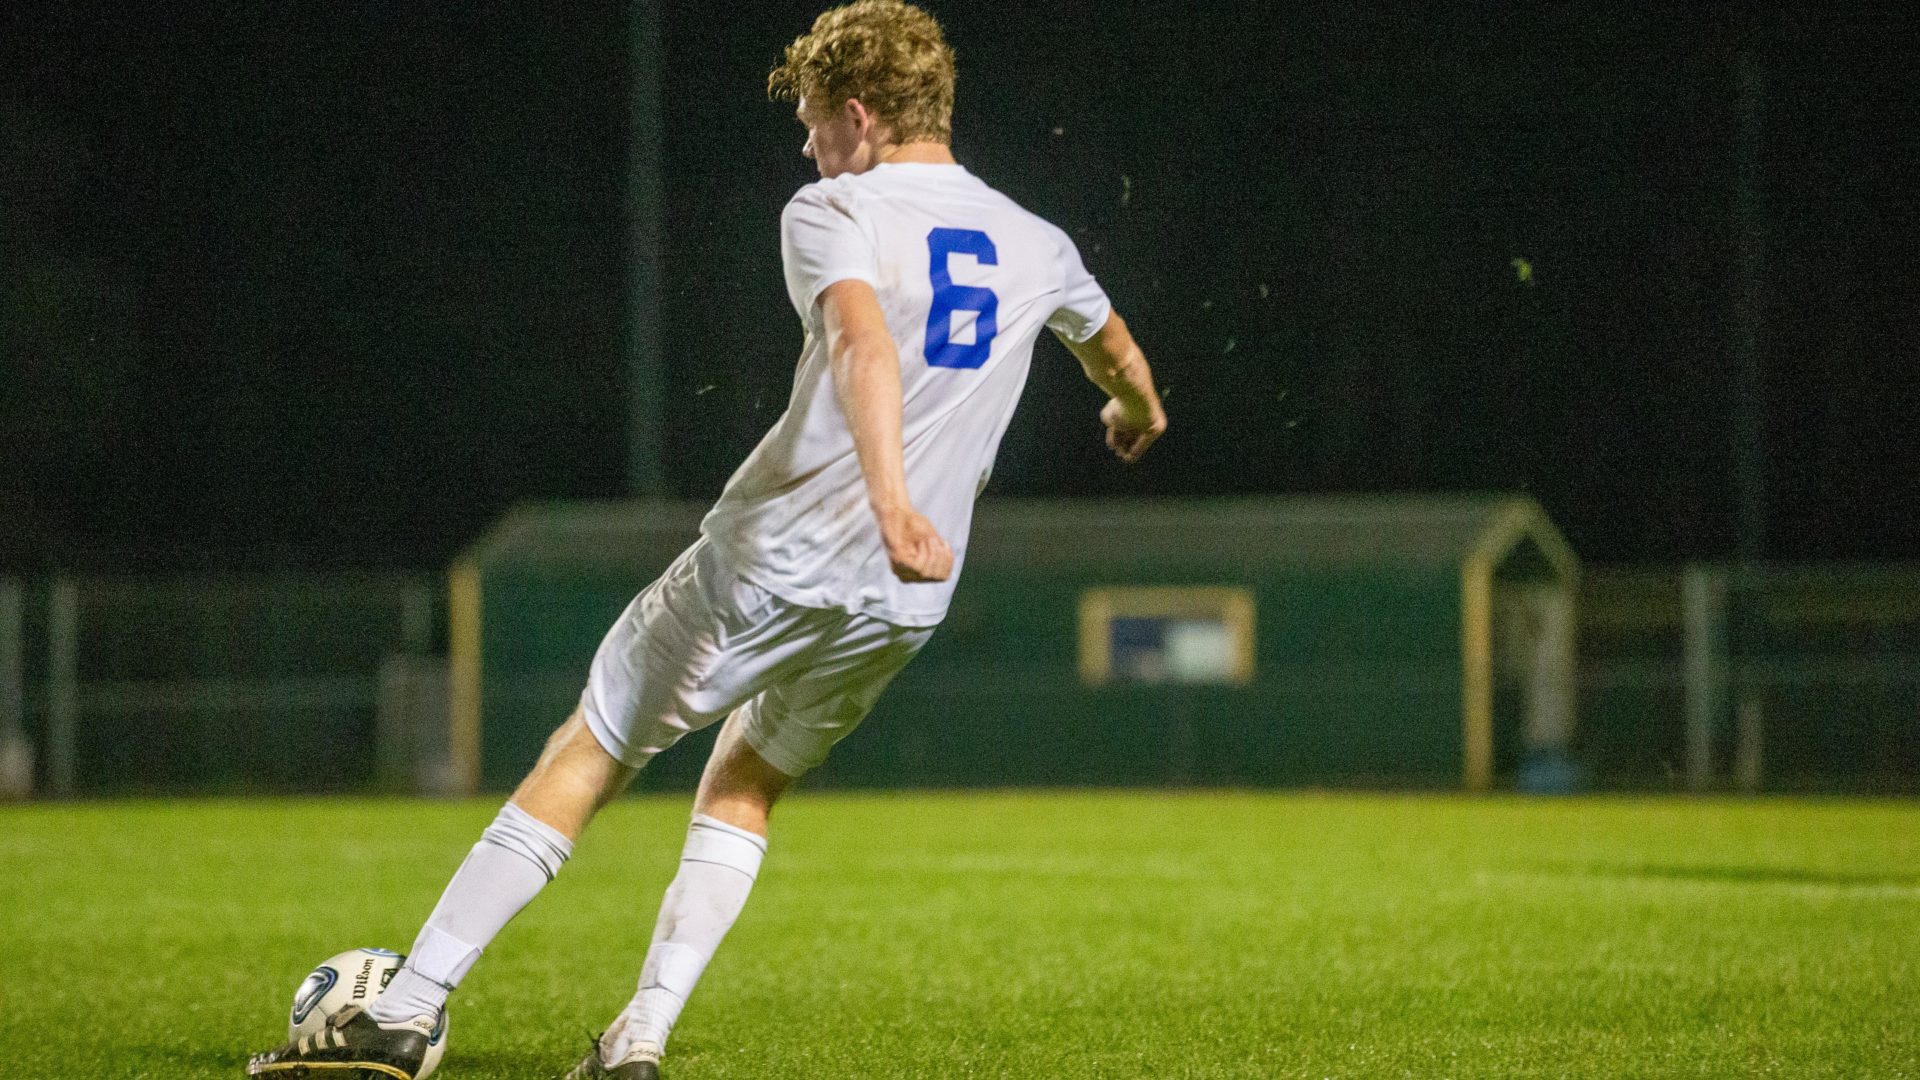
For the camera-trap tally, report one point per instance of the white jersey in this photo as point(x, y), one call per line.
point(966, 279)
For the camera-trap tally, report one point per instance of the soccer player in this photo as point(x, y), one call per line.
point(832, 552)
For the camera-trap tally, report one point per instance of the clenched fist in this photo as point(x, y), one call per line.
point(1131, 431)
point(914, 547)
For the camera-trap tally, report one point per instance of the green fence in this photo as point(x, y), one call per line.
point(1786, 677)
point(233, 682)
point(1270, 642)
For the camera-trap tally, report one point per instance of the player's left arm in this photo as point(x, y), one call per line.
point(866, 379)
point(1113, 362)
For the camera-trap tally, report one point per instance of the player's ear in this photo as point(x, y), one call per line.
point(861, 119)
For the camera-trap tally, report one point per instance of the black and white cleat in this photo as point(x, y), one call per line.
point(641, 1063)
point(350, 1047)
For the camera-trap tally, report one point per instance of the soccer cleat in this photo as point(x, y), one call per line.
point(350, 1047)
point(641, 1063)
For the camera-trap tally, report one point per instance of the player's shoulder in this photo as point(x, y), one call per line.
point(1045, 232)
point(841, 193)
point(1012, 207)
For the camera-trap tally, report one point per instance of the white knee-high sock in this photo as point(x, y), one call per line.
point(515, 857)
point(717, 869)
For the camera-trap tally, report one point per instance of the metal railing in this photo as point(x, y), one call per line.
point(1795, 676)
point(207, 681)
point(309, 682)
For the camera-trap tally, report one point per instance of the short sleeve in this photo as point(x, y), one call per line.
point(821, 243)
point(1084, 306)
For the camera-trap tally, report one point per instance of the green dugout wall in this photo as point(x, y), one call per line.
point(1350, 640)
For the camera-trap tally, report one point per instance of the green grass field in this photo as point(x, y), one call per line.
point(1020, 935)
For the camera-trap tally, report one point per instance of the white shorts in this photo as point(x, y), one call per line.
point(701, 641)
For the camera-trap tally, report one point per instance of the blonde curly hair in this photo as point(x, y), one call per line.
point(890, 55)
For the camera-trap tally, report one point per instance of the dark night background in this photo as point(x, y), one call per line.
point(323, 285)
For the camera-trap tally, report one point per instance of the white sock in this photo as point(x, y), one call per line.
point(717, 869)
point(515, 857)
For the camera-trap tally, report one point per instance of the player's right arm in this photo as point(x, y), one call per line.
point(866, 379)
point(1115, 364)
point(830, 264)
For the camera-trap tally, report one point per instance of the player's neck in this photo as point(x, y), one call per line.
point(916, 153)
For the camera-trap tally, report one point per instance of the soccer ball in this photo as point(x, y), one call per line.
point(355, 977)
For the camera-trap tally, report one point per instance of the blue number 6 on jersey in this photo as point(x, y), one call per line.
point(942, 350)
